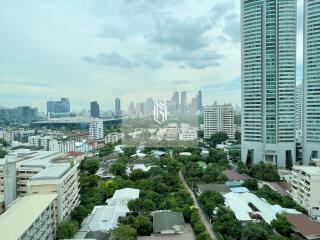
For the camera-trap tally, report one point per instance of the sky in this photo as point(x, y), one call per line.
point(133, 49)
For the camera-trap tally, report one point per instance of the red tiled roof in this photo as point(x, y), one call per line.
point(75, 154)
point(234, 175)
point(304, 224)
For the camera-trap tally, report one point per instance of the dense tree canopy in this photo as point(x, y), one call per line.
point(264, 171)
point(89, 165)
point(67, 229)
point(217, 138)
point(123, 232)
point(3, 153)
point(106, 150)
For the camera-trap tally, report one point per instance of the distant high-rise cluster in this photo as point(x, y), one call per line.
point(20, 115)
point(177, 105)
point(219, 118)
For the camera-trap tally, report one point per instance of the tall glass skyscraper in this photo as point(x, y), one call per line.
point(268, 81)
point(311, 81)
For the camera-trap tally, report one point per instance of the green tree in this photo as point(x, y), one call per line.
point(251, 184)
point(106, 150)
point(203, 236)
point(143, 225)
point(241, 167)
point(4, 143)
point(282, 225)
point(67, 229)
point(117, 168)
point(256, 231)
point(123, 232)
point(217, 138)
point(226, 224)
point(89, 165)
point(3, 153)
point(237, 137)
point(79, 213)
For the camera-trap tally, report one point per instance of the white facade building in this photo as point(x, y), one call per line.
point(96, 129)
point(268, 81)
point(114, 137)
point(306, 186)
point(219, 118)
point(63, 146)
point(40, 141)
point(187, 133)
point(311, 81)
point(299, 114)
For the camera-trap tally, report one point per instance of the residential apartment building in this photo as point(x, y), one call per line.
point(268, 84)
point(311, 81)
point(96, 129)
point(306, 187)
point(219, 118)
point(40, 141)
point(31, 217)
point(61, 179)
point(187, 133)
point(63, 146)
point(24, 172)
point(114, 137)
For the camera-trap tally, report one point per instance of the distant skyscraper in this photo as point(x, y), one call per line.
point(311, 81)
point(299, 112)
point(117, 107)
point(20, 115)
point(175, 99)
point(149, 106)
point(219, 118)
point(132, 109)
point(199, 101)
point(62, 106)
point(184, 104)
point(94, 109)
point(268, 81)
point(140, 109)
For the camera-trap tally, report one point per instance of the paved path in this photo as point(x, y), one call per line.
point(206, 223)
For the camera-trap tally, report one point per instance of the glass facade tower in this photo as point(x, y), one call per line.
point(268, 81)
point(311, 81)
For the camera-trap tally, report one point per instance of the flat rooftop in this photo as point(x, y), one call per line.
point(312, 170)
point(52, 172)
point(19, 217)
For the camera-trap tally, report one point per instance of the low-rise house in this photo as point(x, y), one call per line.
point(168, 222)
point(304, 226)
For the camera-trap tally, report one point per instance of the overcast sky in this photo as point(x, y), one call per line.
point(101, 49)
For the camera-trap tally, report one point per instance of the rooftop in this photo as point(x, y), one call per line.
point(212, 187)
point(304, 225)
point(167, 220)
point(124, 194)
point(245, 205)
point(52, 172)
point(312, 170)
point(18, 218)
point(234, 175)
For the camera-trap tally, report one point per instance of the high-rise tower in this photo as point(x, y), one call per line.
point(311, 81)
point(268, 81)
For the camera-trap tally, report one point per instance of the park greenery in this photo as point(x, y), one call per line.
point(106, 150)
point(67, 229)
point(217, 138)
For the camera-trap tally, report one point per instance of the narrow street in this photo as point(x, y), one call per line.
point(201, 213)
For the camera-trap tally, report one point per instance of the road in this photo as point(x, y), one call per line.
point(206, 223)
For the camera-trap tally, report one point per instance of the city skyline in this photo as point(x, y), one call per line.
point(99, 65)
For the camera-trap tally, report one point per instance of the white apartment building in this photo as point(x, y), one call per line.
point(83, 146)
point(63, 146)
point(61, 179)
point(96, 129)
point(219, 118)
point(187, 133)
point(268, 81)
point(171, 131)
point(40, 141)
point(24, 172)
point(311, 82)
point(306, 186)
point(114, 137)
point(31, 217)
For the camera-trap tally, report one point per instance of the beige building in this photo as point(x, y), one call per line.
point(31, 217)
point(60, 179)
point(306, 186)
point(42, 172)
